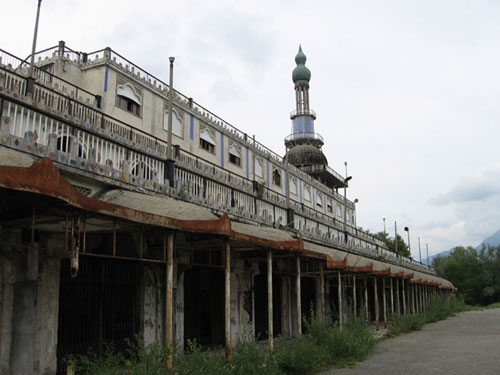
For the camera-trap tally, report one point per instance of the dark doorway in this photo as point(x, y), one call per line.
point(308, 298)
point(260, 288)
point(97, 308)
point(204, 306)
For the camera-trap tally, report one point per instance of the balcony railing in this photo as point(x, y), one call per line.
point(81, 138)
point(302, 112)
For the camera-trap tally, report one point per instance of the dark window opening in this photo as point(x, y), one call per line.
point(235, 159)
point(207, 146)
point(277, 177)
point(128, 105)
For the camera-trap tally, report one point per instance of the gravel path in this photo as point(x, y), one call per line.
point(468, 343)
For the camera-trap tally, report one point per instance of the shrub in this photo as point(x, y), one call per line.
point(197, 362)
point(250, 359)
point(301, 356)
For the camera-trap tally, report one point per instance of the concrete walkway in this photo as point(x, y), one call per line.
point(466, 344)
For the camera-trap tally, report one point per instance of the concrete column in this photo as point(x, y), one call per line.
point(298, 296)
point(322, 292)
point(355, 302)
point(375, 293)
point(227, 302)
point(169, 316)
point(392, 297)
point(341, 309)
point(270, 298)
point(421, 294)
point(404, 296)
point(411, 291)
point(384, 300)
point(367, 317)
point(398, 302)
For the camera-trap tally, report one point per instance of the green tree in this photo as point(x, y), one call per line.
point(403, 249)
point(464, 269)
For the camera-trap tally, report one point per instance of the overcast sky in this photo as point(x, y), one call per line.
point(407, 92)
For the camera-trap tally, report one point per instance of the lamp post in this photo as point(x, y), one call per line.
point(409, 246)
point(170, 160)
point(419, 252)
point(384, 225)
point(396, 238)
point(346, 181)
point(35, 34)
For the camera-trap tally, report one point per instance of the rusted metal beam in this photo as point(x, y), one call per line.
point(341, 308)
point(227, 304)
point(298, 296)
point(375, 293)
point(169, 324)
point(270, 298)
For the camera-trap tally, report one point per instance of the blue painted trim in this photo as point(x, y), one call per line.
point(248, 167)
point(191, 129)
point(300, 191)
point(222, 150)
point(106, 74)
point(267, 173)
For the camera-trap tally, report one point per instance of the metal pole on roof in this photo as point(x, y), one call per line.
point(35, 35)
point(427, 246)
point(396, 238)
point(419, 252)
point(170, 161)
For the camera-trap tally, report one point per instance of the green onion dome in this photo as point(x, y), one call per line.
point(301, 74)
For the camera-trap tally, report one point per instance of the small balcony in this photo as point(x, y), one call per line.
point(303, 112)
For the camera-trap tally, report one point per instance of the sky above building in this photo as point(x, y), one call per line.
point(407, 92)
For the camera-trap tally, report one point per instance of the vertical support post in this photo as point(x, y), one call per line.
point(366, 299)
point(322, 292)
point(384, 301)
point(270, 298)
point(354, 298)
point(398, 302)
point(404, 296)
point(341, 309)
point(411, 292)
point(227, 305)
point(420, 290)
point(84, 247)
point(392, 296)
point(375, 293)
point(169, 324)
point(298, 296)
point(33, 222)
point(114, 238)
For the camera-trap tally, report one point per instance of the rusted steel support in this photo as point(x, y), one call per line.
point(392, 297)
point(169, 324)
point(270, 298)
point(227, 305)
point(398, 302)
point(367, 317)
point(354, 298)
point(322, 292)
point(375, 293)
point(341, 309)
point(384, 301)
point(404, 295)
point(298, 296)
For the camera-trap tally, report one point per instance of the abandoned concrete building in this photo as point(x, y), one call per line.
point(115, 224)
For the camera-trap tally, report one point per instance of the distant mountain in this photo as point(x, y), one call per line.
point(493, 240)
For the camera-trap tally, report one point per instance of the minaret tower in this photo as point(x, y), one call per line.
point(303, 145)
